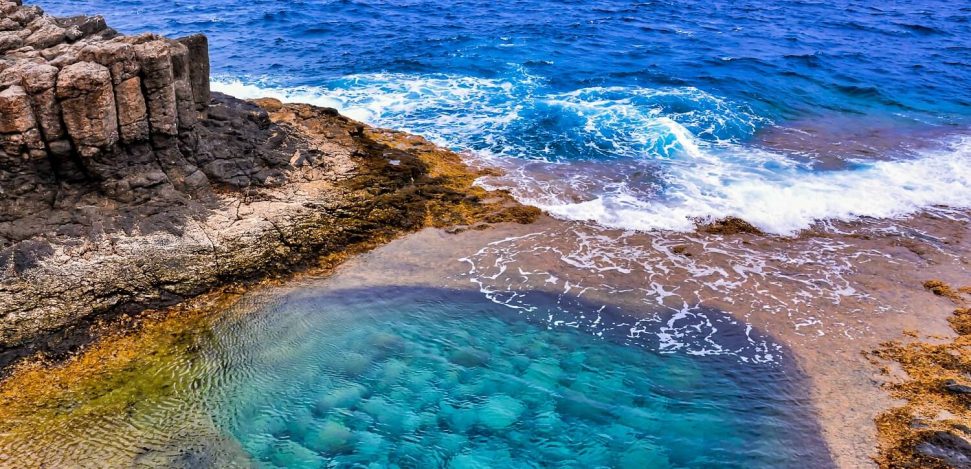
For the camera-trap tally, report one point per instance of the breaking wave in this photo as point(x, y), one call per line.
point(633, 157)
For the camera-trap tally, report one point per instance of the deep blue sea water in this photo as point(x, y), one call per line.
point(783, 113)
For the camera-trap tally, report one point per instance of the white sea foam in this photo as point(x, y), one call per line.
point(685, 138)
point(782, 200)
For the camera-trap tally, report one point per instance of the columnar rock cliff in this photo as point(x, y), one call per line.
point(125, 184)
point(83, 104)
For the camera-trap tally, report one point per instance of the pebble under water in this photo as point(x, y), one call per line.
point(398, 377)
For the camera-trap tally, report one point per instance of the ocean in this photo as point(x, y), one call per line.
point(633, 115)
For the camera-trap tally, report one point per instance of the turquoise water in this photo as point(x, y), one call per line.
point(437, 378)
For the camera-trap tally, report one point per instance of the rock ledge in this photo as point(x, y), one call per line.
point(125, 184)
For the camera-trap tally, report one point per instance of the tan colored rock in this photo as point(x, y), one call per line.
point(24, 15)
point(157, 78)
point(62, 55)
point(88, 104)
point(7, 8)
point(120, 59)
point(39, 80)
point(118, 56)
point(45, 32)
point(17, 116)
point(18, 128)
point(7, 24)
point(10, 40)
point(132, 112)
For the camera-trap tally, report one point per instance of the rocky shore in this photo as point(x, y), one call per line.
point(125, 184)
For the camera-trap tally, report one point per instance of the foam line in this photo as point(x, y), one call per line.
point(690, 141)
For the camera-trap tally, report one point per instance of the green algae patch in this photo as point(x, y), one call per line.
point(131, 365)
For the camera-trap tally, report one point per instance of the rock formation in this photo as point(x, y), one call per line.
point(81, 103)
point(125, 184)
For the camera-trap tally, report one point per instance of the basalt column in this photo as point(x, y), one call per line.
point(80, 104)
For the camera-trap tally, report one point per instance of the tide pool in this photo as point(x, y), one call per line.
point(396, 377)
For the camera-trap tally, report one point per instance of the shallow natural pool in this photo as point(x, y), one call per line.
point(435, 378)
point(417, 377)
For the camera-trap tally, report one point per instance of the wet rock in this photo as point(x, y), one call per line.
point(730, 226)
point(954, 387)
point(948, 447)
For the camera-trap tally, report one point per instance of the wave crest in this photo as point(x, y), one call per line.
point(635, 158)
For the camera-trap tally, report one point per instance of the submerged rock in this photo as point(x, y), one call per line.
point(500, 411)
point(469, 357)
point(953, 449)
point(291, 454)
point(344, 397)
point(332, 436)
point(643, 454)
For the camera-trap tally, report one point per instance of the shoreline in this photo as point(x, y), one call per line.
point(129, 185)
point(133, 227)
point(430, 187)
point(840, 376)
point(121, 363)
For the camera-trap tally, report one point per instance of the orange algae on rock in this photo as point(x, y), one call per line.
point(730, 226)
point(442, 182)
point(933, 428)
point(940, 288)
point(44, 403)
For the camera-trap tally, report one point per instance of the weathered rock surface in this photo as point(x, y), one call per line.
point(125, 184)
